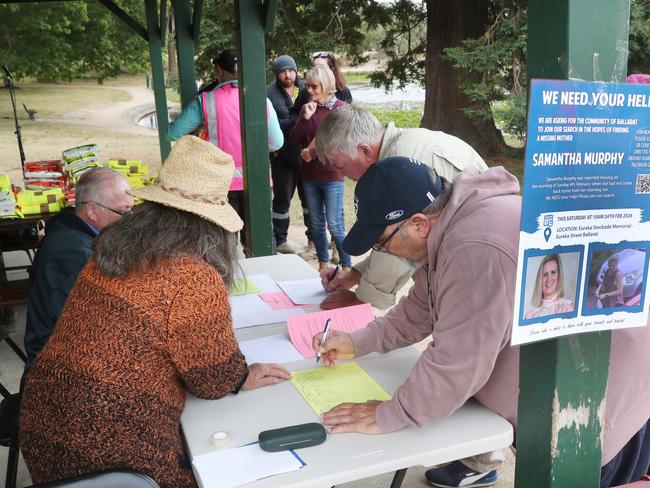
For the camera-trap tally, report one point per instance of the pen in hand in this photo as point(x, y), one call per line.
point(332, 276)
point(323, 339)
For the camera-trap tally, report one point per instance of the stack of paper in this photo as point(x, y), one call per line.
point(325, 388)
point(7, 199)
point(304, 292)
point(254, 300)
point(275, 348)
point(303, 328)
point(237, 466)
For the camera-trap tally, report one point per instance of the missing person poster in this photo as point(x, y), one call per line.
point(585, 224)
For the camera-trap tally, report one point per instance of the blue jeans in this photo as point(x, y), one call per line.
point(325, 202)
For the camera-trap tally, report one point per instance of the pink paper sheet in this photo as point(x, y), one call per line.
point(302, 328)
point(278, 300)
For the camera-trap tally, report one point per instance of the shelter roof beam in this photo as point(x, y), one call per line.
point(126, 18)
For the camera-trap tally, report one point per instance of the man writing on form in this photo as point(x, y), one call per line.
point(464, 238)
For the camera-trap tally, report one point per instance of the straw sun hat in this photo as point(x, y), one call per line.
point(195, 178)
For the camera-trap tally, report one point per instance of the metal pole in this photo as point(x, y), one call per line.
point(185, 50)
point(252, 96)
point(12, 95)
point(562, 382)
point(155, 54)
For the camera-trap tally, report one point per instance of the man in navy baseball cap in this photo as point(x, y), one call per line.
point(390, 192)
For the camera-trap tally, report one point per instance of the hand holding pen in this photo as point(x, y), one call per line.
point(327, 277)
point(343, 278)
point(333, 274)
point(336, 346)
point(324, 337)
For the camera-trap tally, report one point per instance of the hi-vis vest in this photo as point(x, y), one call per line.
point(222, 126)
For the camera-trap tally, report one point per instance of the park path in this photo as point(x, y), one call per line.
point(118, 116)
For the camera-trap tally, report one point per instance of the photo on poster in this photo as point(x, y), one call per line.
point(551, 283)
point(616, 277)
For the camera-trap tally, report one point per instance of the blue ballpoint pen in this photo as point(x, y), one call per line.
point(323, 339)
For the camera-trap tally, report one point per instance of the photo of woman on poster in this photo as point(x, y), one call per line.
point(548, 297)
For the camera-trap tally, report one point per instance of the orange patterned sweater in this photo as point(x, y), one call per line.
point(109, 388)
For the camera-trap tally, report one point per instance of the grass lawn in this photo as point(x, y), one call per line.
point(52, 100)
point(357, 77)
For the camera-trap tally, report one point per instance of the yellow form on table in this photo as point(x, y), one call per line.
point(243, 286)
point(324, 388)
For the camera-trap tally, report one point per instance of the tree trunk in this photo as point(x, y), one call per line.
point(172, 61)
point(448, 23)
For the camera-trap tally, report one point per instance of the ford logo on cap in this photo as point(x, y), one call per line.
point(395, 214)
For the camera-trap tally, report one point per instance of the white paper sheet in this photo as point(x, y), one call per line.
point(228, 468)
point(304, 292)
point(251, 319)
point(251, 310)
point(275, 348)
point(242, 304)
point(264, 282)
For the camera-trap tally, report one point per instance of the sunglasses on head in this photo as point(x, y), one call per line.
point(320, 54)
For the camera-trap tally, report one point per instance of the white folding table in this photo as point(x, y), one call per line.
point(472, 429)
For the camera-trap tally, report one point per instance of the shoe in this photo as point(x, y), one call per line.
point(335, 254)
point(285, 248)
point(322, 266)
point(456, 475)
point(309, 252)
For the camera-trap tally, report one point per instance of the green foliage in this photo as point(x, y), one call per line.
point(639, 56)
point(494, 68)
point(300, 29)
point(510, 114)
point(405, 119)
point(216, 34)
point(63, 40)
point(404, 43)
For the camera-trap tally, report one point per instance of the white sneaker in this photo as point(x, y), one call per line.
point(309, 252)
point(285, 248)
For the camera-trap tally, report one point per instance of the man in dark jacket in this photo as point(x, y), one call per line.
point(101, 199)
point(285, 163)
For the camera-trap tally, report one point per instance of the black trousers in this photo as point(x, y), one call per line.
point(236, 200)
point(286, 178)
point(631, 462)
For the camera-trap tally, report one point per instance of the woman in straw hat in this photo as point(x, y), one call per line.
point(147, 321)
